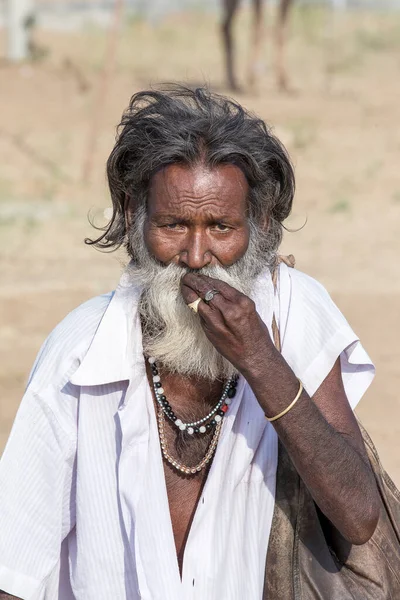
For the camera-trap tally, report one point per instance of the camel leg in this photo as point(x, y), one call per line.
point(257, 34)
point(230, 8)
point(284, 7)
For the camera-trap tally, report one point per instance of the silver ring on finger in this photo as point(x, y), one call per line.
point(210, 295)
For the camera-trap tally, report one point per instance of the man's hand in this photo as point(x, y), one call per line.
point(230, 321)
point(320, 434)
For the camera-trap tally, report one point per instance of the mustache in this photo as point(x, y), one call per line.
point(186, 269)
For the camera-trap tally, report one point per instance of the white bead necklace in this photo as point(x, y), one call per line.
point(201, 426)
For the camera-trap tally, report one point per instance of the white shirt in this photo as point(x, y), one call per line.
point(83, 504)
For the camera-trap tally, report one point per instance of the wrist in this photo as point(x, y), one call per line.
point(261, 363)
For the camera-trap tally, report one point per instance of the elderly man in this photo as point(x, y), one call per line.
point(142, 461)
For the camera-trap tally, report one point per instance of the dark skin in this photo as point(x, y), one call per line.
point(184, 492)
point(184, 217)
point(198, 217)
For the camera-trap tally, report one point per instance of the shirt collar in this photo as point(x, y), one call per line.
point(116, 352)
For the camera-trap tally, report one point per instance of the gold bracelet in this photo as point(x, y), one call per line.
point(289, 407)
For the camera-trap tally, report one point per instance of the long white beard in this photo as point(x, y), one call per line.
point(173, 333)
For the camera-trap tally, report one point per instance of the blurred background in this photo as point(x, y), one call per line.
point(325, 75)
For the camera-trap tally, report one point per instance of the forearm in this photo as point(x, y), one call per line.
point(5, 596)
point(336, 474)
point(334, 468)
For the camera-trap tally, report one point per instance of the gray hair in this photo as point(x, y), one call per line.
point(175, 124)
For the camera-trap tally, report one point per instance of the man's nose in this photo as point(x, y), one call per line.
point(196, 252)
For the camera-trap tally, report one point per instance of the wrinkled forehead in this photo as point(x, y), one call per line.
point(183, 188)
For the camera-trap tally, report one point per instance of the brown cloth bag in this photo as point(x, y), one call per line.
point(308, 559)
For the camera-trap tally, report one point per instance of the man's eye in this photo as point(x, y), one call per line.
point(221, 227)
point(171, 225)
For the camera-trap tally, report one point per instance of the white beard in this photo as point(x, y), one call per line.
point(172, 332)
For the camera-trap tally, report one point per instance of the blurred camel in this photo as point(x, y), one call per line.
point(230, 8)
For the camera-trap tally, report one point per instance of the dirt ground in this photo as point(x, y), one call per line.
point(340, 125)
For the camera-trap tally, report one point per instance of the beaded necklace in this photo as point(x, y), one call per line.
point(201, 426)
point(176, 463)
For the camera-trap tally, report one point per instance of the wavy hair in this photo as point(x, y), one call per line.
point(175, 124)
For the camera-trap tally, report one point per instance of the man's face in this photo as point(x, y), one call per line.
point(197, 216)
point(196, 219)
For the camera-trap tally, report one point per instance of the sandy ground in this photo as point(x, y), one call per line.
point(340, 126)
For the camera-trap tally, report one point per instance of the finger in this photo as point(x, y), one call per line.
point(211, 318)
point(201, 284)
point(228, 292)
point(233, 305)
point(218, 302)
point(189, 295)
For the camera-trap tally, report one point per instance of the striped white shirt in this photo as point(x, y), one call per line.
point(83, 504)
